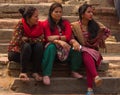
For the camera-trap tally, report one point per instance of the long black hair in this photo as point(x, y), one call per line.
point(93, 26)
point(50, 19)
point(27, 12)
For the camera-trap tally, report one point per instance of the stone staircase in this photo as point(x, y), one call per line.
point(9, 16)
point(62, 83)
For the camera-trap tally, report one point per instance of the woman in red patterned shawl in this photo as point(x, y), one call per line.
point(26, 46)
point(89, 37)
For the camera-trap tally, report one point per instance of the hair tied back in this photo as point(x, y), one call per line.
point(22, 11)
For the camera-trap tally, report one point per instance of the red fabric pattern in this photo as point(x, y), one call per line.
point(34, 31)
point(67, 32)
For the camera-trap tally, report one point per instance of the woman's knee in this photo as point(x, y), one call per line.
point(26, 46)
point(14, 56)
point(39, 46)
point(51, 47)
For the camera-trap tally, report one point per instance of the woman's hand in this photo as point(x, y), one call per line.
point(75, 44)
point(25, 39)
point(62, 43)
point(52, 38)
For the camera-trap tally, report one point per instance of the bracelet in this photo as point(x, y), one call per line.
point(80, 47)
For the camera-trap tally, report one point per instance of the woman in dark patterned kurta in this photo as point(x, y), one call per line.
point(26, 45)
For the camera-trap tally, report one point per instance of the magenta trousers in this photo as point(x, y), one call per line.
point(90, 66)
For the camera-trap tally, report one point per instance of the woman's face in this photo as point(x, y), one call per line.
point(34, 19)
point(88, 14)
point(57, 14)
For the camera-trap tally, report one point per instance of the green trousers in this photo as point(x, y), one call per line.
point(75, 59)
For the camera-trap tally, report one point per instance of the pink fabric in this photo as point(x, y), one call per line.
point(62, 53)
point(95, 54)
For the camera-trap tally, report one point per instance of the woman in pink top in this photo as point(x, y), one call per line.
point(89, 37)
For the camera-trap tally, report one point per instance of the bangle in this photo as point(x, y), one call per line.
point(80, 46)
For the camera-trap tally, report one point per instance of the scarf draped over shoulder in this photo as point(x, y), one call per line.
point(77, 32)
point(97, 42)
point(33, 32)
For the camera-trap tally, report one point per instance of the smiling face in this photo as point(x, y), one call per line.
point(33, 20)
point(88, 15)
point(56, 14)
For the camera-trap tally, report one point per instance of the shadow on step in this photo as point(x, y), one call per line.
point(66, 86)
point(59, 69)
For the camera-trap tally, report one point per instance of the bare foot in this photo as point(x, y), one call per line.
point(37, 77)
point(119, 22)
point(76, 75)
point(46, 80)
point(24, 77)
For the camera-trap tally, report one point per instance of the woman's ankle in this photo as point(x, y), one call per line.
point(46, 80)
point(24, 77)
point(97, 77)
point(89, 89)
point(76, 74)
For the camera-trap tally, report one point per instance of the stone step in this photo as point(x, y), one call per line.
point(66, 86)
point(107, 3)
point(23, 1)
point(6, 33)
point(105, 14)
point(108, 57)
point(110, 22)
point(113, 58)
point(3, 47)
point(102, 14)
point(103, 3)
point(11, 10)
point(59, 69)
point(32, 1)
point(110, 62)
point(10, 23)
point(112, 47)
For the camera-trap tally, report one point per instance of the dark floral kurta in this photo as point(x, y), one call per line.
point(16, 42)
